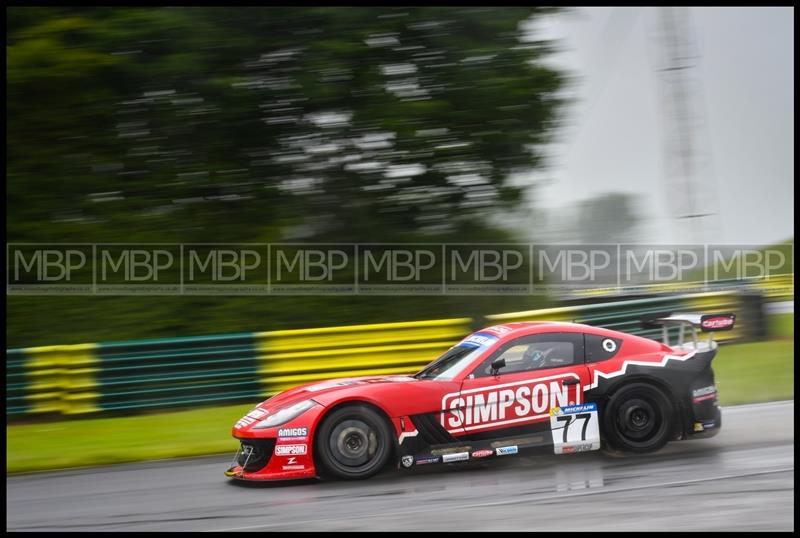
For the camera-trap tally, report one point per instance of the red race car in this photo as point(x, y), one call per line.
point(506, 389)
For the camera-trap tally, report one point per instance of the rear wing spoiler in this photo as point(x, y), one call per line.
point(708, 323)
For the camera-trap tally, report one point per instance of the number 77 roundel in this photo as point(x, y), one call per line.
point(575, 428)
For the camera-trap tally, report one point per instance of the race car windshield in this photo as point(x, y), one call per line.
point(453, 361)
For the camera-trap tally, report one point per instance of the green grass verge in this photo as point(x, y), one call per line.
point(757, 372)
point(781, 325)
point(745, 373)
point(76, 443)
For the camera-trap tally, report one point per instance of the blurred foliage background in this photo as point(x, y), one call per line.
point(307, 124)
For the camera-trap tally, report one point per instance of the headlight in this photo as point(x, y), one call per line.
point(286, 414)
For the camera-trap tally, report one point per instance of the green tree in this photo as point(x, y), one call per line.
point(231, 124)
point(261, 124)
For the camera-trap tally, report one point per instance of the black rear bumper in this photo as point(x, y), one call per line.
point(706, 427)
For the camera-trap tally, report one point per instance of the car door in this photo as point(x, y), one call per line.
point(541, 371)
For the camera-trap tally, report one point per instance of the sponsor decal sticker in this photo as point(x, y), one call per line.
point(293, 450)
point(427, 460)
point(507, 450)
point(460, 456)
point(251, 417)
point(244, 421)
point(407, 461)
point(579, 447)
point(717, 323)
point(519, 402)
point(498, 329)
point(698, 427)
point(706, 393)
point(293, 432)
point(482, 453)
point(709, 424)
point(293, 467)
point(478, 340)
point(569, 409)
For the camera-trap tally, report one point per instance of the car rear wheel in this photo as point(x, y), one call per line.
point(638, 418)
point(353, 442)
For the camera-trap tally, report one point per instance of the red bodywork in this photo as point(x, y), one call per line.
point(401, 396)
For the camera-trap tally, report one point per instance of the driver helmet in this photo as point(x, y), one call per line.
point(533, 357)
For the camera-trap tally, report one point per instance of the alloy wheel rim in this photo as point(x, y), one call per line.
point(638, 420)
point(354, 443)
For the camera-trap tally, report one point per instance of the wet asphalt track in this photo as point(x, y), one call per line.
point(743, 479)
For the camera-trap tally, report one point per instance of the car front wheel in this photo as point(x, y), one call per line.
point(353, 442)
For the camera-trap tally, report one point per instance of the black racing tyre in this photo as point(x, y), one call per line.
point(353, 442)
point(638, 418)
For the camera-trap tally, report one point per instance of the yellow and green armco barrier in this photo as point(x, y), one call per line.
point(153, 374)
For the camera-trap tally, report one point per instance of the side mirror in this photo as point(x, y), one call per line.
point(497, 364)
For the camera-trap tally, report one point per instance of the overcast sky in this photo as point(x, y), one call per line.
point(745, 96)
